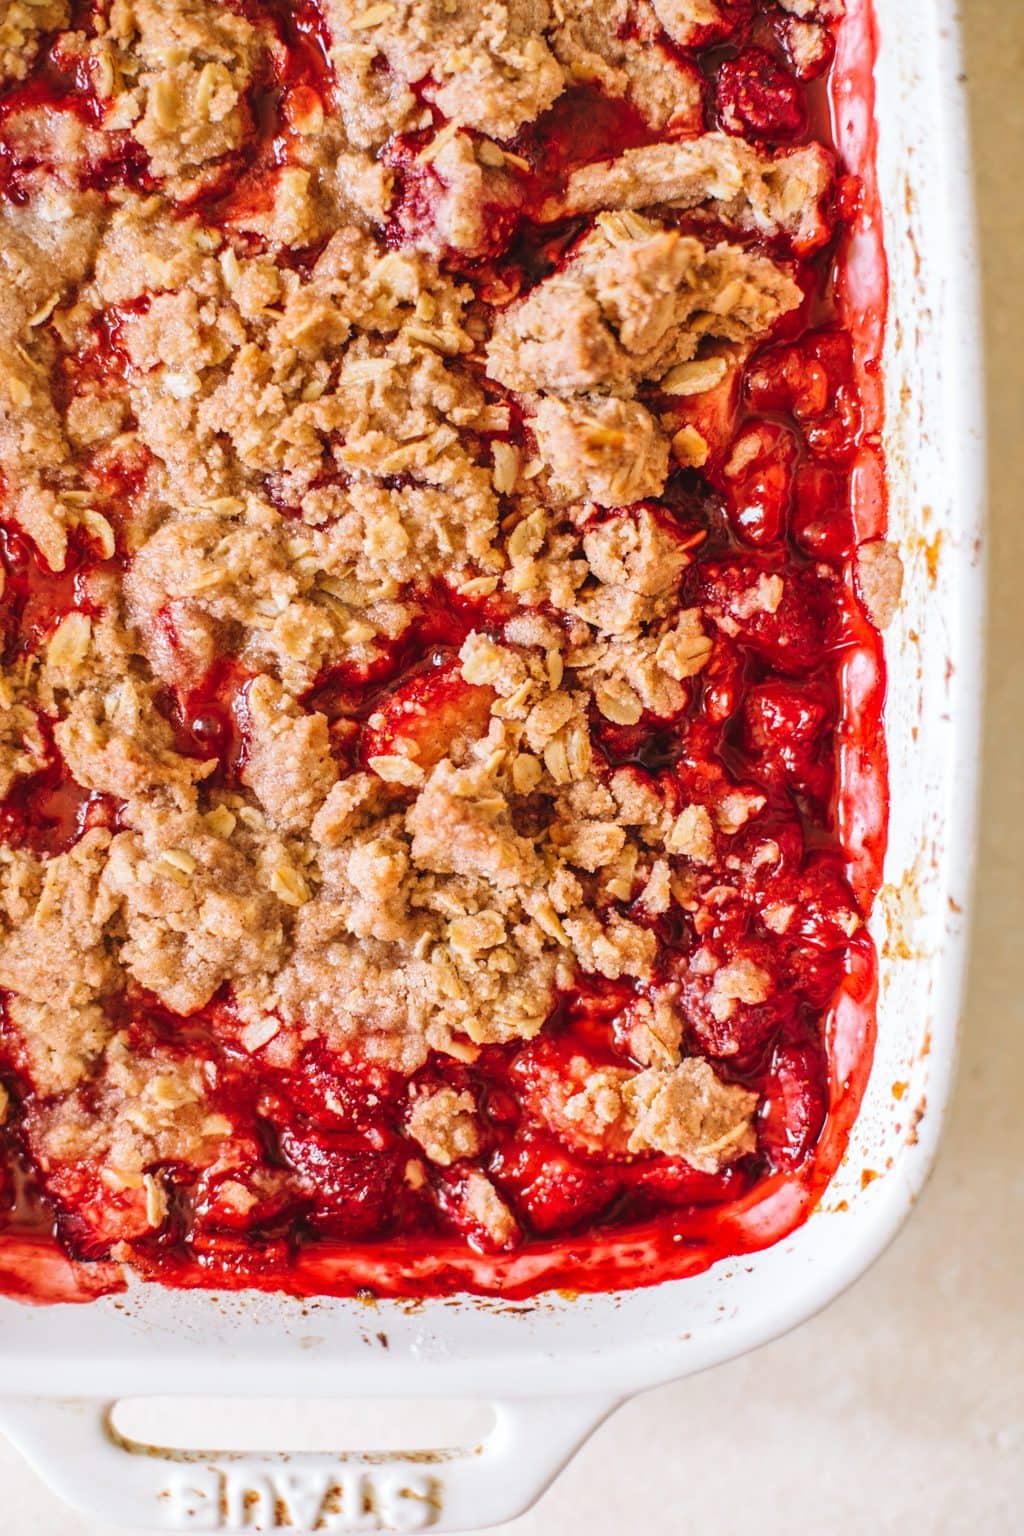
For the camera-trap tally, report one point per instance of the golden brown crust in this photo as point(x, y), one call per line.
point(23, 25)
point(635, 301)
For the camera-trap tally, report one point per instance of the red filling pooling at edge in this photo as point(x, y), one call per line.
point(680, 1221)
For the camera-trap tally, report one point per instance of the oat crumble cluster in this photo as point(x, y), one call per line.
point(423, 539)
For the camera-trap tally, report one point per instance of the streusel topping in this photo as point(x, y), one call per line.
point(345, 444)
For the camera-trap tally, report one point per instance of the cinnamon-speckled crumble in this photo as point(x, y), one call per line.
point(259, 419)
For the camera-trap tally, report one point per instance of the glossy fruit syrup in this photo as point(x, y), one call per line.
point(790, 704)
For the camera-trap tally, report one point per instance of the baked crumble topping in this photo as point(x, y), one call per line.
point(424, 452)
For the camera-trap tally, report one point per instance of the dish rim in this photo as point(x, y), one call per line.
point(630, 1365)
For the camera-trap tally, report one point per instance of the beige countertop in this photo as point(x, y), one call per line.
point(902, 1407)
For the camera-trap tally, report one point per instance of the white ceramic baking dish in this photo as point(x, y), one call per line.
point(555, 1369)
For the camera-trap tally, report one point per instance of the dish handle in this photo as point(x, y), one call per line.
point(73, 1445)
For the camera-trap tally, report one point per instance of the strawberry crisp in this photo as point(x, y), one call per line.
point(427, 568)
